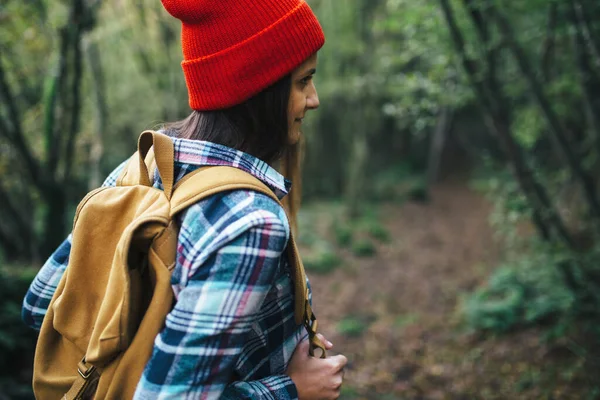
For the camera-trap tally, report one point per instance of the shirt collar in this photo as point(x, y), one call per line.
point(194, 153)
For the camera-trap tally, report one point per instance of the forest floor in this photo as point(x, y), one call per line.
point(395, 314)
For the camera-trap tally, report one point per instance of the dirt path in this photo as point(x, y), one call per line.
point(403, 341)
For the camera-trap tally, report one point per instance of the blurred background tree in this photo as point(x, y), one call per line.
point(506, 93)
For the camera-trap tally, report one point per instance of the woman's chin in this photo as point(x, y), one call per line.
point(294, 137)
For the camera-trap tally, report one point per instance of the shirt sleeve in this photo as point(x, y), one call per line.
point(37, 299)
point(279, 387)
point(228, 256)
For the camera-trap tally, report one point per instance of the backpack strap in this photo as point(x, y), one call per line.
point(158, 149)
point(211, 180)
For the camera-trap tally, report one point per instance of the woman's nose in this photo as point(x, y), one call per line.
point(312, 102)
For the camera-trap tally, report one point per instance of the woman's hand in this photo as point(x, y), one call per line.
point(316, 378)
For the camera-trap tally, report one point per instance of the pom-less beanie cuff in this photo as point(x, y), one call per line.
point(238, 72)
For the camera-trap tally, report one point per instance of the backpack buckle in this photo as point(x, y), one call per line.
point(310, 322)
point(85, 369)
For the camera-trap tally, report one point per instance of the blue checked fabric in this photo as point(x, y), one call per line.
point(231, 332)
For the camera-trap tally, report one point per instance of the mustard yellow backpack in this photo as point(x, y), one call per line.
point(115, 294)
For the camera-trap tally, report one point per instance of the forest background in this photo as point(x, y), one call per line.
point(501, 98)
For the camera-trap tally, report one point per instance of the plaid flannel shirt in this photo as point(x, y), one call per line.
point(231, 332)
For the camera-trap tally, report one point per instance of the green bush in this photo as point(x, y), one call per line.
point(419, 191)
point(541, 283)
point(343, 234)
point(322, 262)
point(363, 248)
point(529, 291)
point(379, 232)
point(17, 341)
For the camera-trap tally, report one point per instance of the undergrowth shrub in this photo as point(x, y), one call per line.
point(322, 259)
point(17, 341)
point(363, 248)
point(528, 291)
point(539, 282)
point(343, 233)
point(399, 183)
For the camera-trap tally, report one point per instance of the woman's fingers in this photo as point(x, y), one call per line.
point(338, 362)
point(327, 343)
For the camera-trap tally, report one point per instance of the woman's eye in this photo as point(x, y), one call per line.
point(305, 80)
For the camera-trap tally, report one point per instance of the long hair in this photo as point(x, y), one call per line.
point(259, 127)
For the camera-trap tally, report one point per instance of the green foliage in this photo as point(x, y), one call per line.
point(528, 126)
point(527, 380)
point(530, 290)
point(369, 226)
point(348, 392)
point(17, 341)
point(419, 191)
point(321, 261)
point(363, 248)
point(352, 326)
point(541, 282)
point(405, 320)
point(343, 234)
point(379, 232)
point(521, 295)
point(399, 182)
point(530, 287)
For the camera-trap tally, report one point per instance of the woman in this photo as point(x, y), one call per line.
point(248, 66)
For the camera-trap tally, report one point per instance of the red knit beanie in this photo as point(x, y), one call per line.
point(233, 49)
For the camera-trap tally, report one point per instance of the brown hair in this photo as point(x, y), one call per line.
point(259, 127)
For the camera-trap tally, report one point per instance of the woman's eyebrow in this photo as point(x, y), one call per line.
point(311, 71)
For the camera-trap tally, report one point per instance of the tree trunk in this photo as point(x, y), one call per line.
point(97, 147)
point(358, 165)
point(358, 161)
point(437, 145)
point(55, 91)
point(79, 14)
point(587, 79)
point(549, 46)
point(583, 15)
